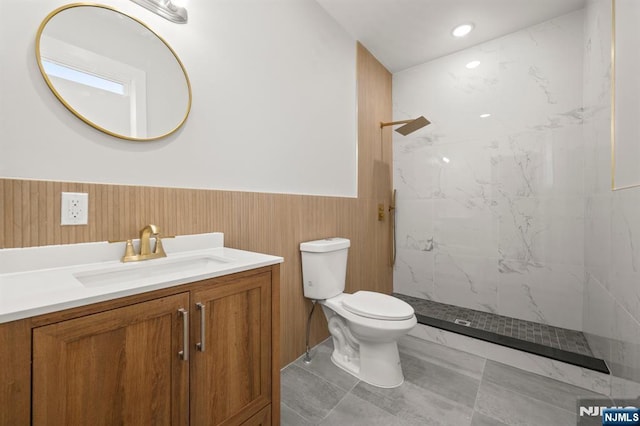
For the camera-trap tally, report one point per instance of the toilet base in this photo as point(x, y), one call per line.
point(378, 364)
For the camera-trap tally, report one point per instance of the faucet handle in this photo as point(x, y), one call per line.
point(128, 250)
point(129, 253)
point(159, 249)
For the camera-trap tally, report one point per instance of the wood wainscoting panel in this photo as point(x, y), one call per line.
point(375, 151)
point(263, 222)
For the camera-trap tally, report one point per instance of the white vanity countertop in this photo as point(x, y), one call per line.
point(39, 280)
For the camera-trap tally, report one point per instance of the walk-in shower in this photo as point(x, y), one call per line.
point(490, 207)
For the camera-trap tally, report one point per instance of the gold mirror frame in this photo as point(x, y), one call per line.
point(613, 104)
point(77, 113)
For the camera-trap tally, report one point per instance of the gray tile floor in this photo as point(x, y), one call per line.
point(555, 337)
point(443, 386)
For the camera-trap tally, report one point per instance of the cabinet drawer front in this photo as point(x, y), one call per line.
point(115, 367)
point(231, 378)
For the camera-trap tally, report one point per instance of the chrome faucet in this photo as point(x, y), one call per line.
point(145, 246)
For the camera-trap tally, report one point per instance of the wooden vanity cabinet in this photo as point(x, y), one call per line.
point(231, 366)
point(112, 368)
point(263, 418)
point(123, 361)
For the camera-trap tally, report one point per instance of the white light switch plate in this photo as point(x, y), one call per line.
point(74, 208)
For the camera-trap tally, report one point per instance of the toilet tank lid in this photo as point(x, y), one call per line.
point(378, 306)
point(325, 245)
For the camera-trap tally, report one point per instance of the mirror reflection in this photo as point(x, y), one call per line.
point(113, 72)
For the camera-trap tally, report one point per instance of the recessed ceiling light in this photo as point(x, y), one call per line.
point(473, 64)
point(485, 115)
point(462, 30)
point(446, 160)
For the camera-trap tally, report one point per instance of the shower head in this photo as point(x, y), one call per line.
point(410, 126)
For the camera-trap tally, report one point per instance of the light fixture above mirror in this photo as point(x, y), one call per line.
point(166, 8)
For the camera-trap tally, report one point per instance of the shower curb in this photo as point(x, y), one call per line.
point(578, 360)
point(564, 372)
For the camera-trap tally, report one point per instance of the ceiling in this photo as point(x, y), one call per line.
point(404, 33)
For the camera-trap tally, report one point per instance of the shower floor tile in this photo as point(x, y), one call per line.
point(567, 340)
point(553, 342)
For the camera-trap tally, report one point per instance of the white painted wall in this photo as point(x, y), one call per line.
point(274, 105)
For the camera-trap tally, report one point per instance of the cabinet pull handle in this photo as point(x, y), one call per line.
point(201, 307)
point(184, 353)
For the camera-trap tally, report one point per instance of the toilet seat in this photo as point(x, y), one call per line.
point(336, 304)
point(378, 306)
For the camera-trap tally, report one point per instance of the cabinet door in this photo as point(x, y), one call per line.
point(263, 418)
point(231, 377)
point(119, 367)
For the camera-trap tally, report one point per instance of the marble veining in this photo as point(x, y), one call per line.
point(611, 313)
point(543, 83)
point(498, 201)
point(516, 209)
point(422, 245)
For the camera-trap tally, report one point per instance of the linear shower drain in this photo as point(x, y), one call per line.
point(462, 322)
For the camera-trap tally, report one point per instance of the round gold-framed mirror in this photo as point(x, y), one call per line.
point(113, 72)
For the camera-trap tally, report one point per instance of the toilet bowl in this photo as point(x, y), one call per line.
point(365, 326)
point(367, 347)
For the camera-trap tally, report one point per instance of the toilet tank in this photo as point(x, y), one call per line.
point(324, 267)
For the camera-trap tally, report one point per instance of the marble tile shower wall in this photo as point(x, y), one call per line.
point(490, 211)
point(611, 314)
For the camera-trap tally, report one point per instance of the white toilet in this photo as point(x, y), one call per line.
point(365, 326)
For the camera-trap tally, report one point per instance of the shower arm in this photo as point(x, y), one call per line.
point(393, 123)
point(409, 126)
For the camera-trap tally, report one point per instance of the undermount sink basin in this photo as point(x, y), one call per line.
point(132, 272)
